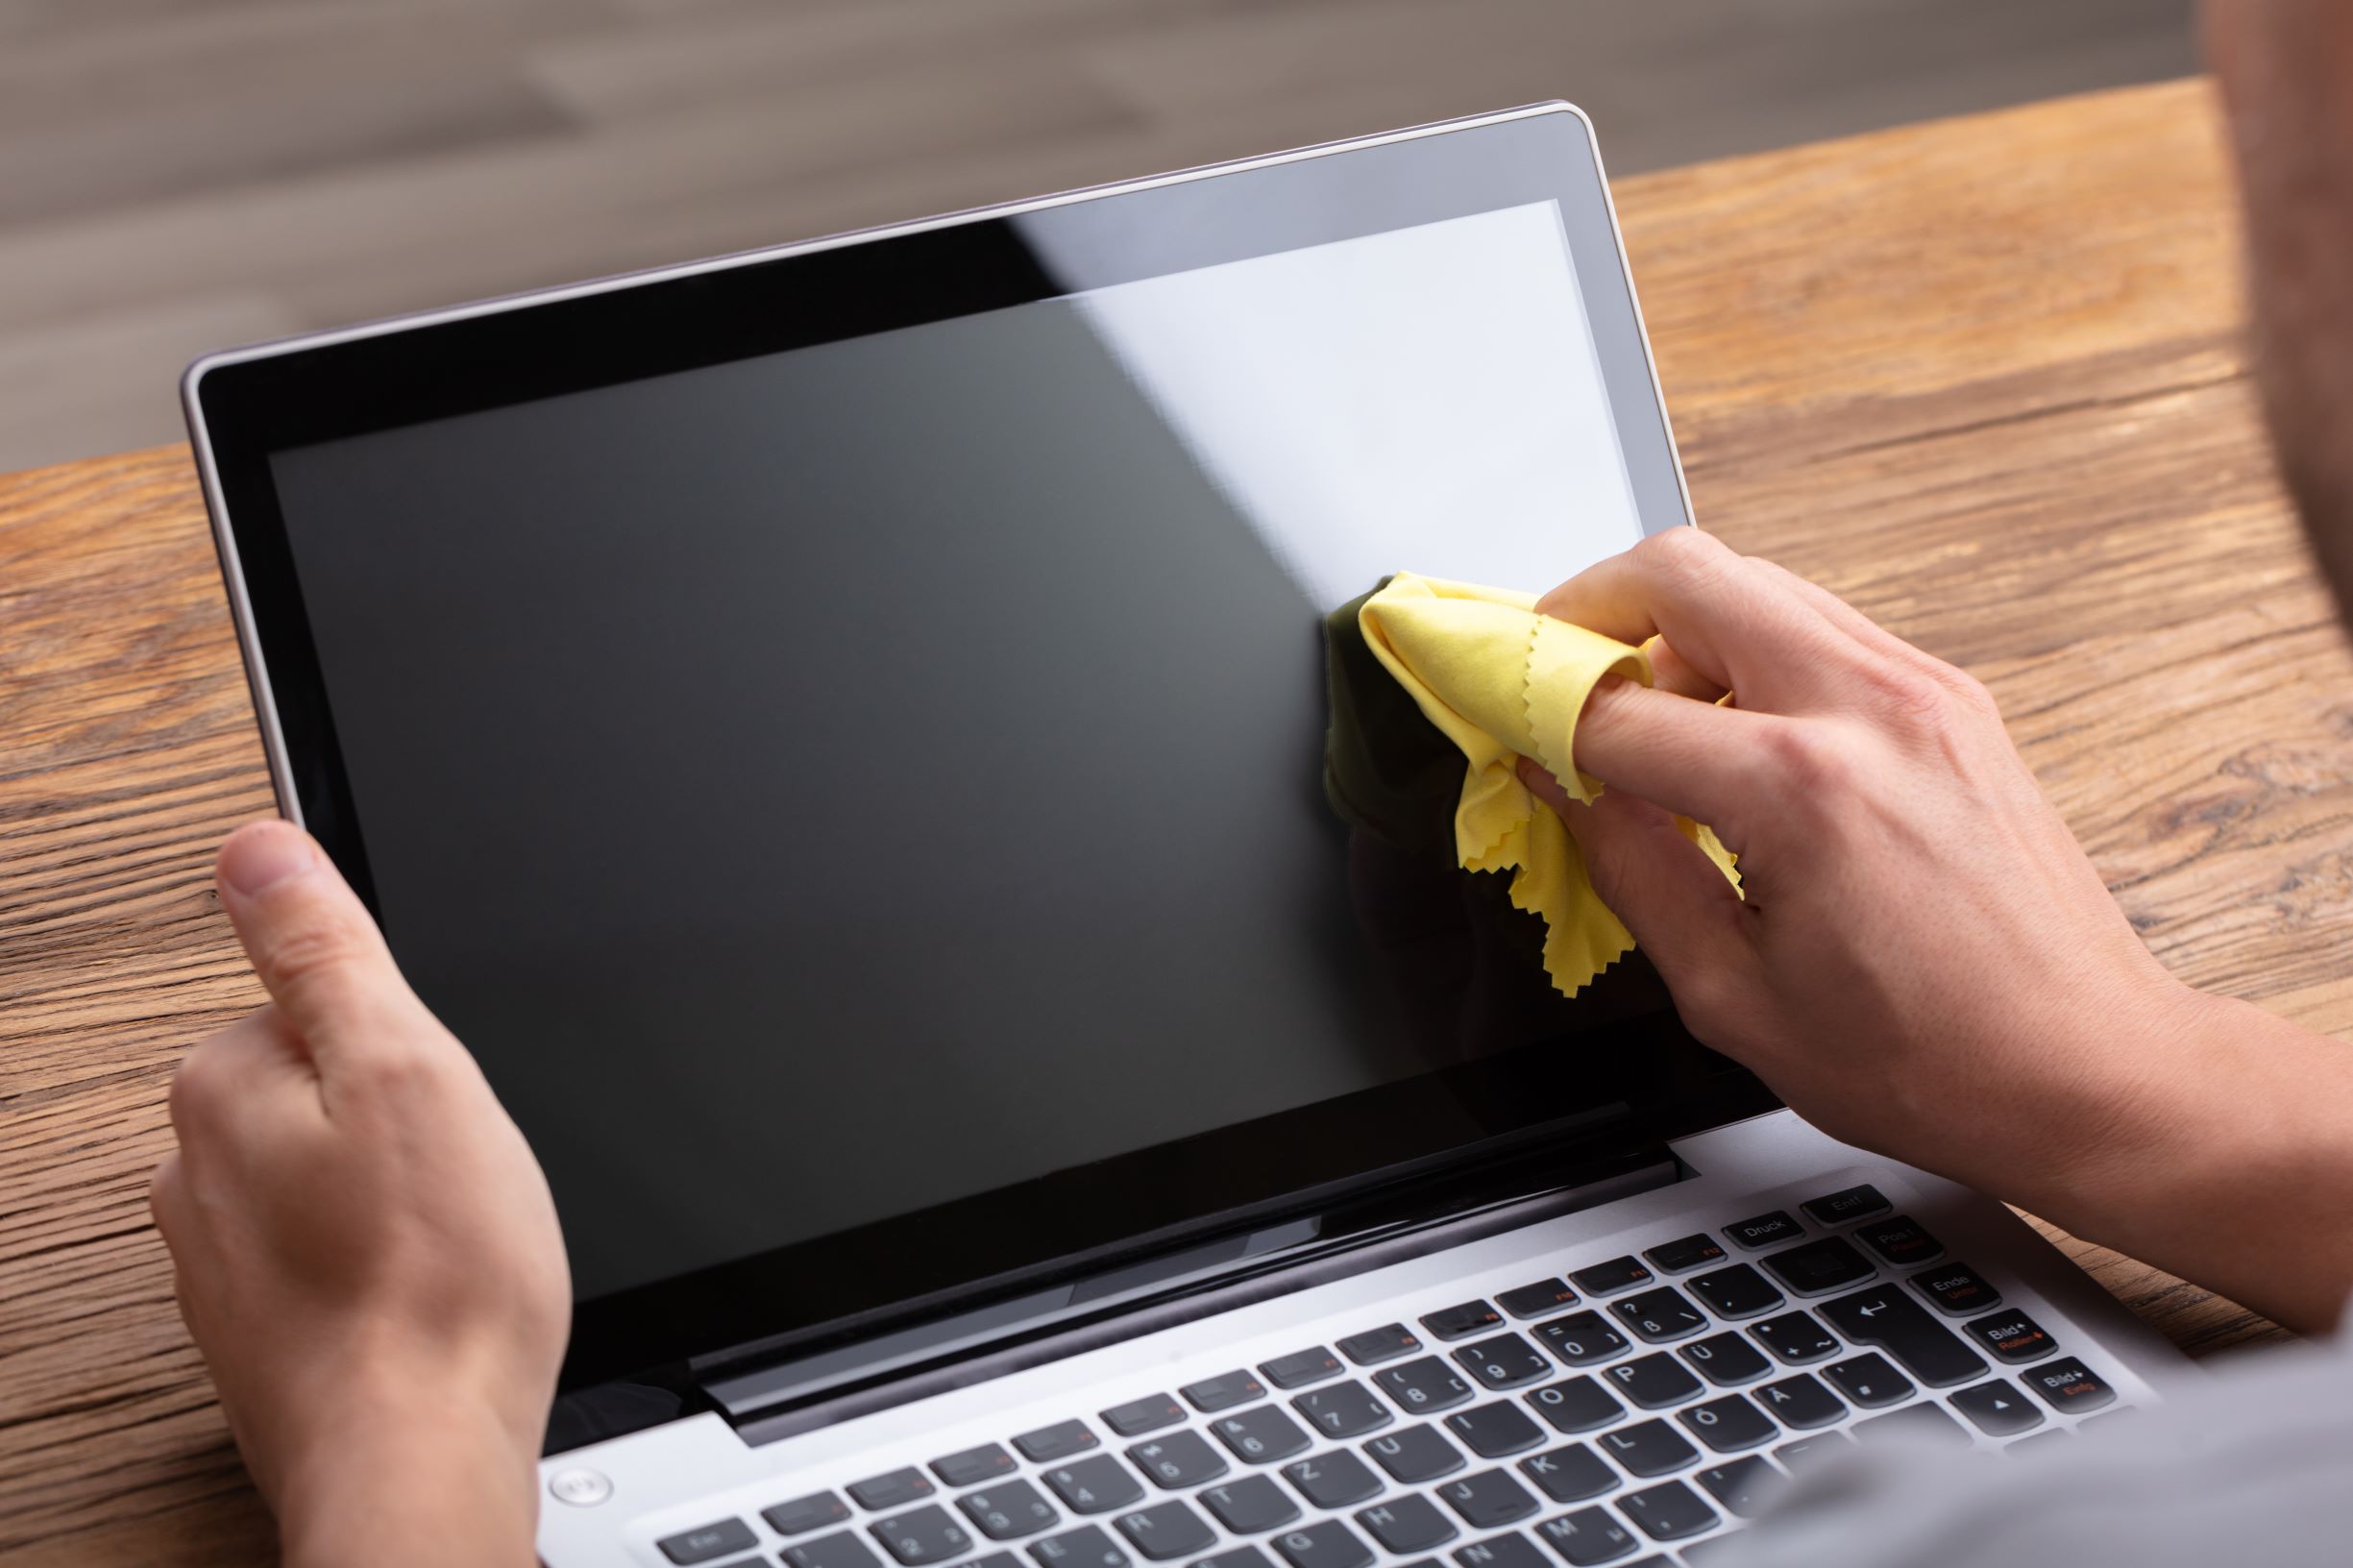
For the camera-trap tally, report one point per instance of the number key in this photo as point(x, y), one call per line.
point(1660, 1315)
point(1504, 1362)
point(1423, 1386)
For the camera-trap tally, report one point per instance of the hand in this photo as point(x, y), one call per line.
point(366, 1250)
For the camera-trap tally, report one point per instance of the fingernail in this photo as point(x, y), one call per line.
point(265, 854)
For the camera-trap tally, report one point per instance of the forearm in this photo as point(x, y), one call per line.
point(411, 1481)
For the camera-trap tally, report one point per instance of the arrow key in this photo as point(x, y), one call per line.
point(1998, 1408)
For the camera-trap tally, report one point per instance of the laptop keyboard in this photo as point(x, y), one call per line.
point(1633, 1409)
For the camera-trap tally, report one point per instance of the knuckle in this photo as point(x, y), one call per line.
point(1811, 761)
point(316, 953)
point(199, 1088)
point(1682, 552)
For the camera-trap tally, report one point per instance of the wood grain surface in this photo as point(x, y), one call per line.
point(1983, 376)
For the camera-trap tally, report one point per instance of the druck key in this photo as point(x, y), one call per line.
point(1888, 1320)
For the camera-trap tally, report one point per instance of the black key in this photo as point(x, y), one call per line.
point(1180, 1460)
point(1847, 1203)
point(1570, 1474)
point(1660, 1315)
point(1806, 1450)
point(1240, 1556)
point(1260, 1436)
point(1301, 1367)
point(704, 1542)
point(1464, 1321)
point(1490, 1499)
point(889, 1491)
point(2039, 1445)
point(1690, 1252)
point(1165, 1531)
point(1926, 1419)
point(1610, 1278)
point(1422, 1386)
point(1250, 1505)
point(1325, 1544)
point(1541, 1299)
point(1737, 1291)
point(1800, 1401)
point(1058, 1441)
point(1008, 1509)
point(2068, 1386)
point(1096, 1485)
point(1957, 1289)
point(1346, 1409)
point(1585, 1537)
point(1731, 1424)
point(994, 1560)
point(973, 1466)
point(1334, 1479)
point(1494, 1430)
point(1764, 1229)
point(1382, 1344)
point(1581, 1338)
point(1820, 1266)
point(839, 1550)
point(1669, 1511)
point(805, 1514)
point(1655, 1380)
point(2011, 1335)
point(1149, 1414)
point(1504, 1360)
point(1576, 1405)
point(922, 1535)
point(1086, 1547)
point(1744, 1487)
point(1222, 1392)
point(1415, 1454)
point(1727, 1359)
point(1408, 1524)
point(1647, 1448)
point(1887, 1320)
point(1868, 1379)
point(1513, 1550)
point(1795, 1338)
point(1901, 1241)
point(1998, 1408)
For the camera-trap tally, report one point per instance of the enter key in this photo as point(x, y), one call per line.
point(1885, 1318)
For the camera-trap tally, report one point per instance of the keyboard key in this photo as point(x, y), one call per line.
point(1926, 1420)
point(1581, 1338)
point(2011, 1336)
point(1490, 1500)
point(1819, 1267)
point(1260, 1436)
point(1382, 1344)
point(1647, 1448)
point(1086, 1547)
point(1669, 1511)
point(1334, 1479)
point(803, 1515)
point(1513, 1550)
point(1800, 1401)
point(1222, 1392)
point(1569, 1473)
point(1346, 1409)
point(1660, 1315)
point(1764, 1229)
point(1998, 1408)
point(1806, 1450)
point(1058, 1441)
point(880, 1492)
point(1610, 1278)
point(1902, 1242)
point(1096, 1485)
point(1795, 1338)
point(1655, 1380)
point(1138, 1416)
point(1301, 1367)
point(1240, 1556)
point(1408, 1524)
point(1251, 1505)
point(994, 1560)
point(1541, 1299)
point(1180, 1460)
point(1957, 1289)
point(1325, 1544)
point(1682, 1256)
point(1504, 1362)
point(1745, 1487)
point(1585, 1537)
point(1846, 1205)
point(1415, 1454)
point(838, 1550)
point(1008, 1509)
point(1576, 1405)
point(1464, 1321)
point(1165, 1531)
point(1731, 1424)
point(704, 1542)
point(1868, 1379)
point(2068, 1386)
point(1727, 1359)
point(1494, 1430)
point(1887, 1320)
point(973, 1466)
point(922, 1535)
point(1422, 1386)
point(1737, 1291)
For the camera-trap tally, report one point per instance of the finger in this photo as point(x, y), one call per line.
point(1671, 671)
point(1844, 615)
point(312, 941)
point(1690, 756)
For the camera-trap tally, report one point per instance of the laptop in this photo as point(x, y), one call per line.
point(863, 742)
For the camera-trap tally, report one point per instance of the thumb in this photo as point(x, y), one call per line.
point(310, 939)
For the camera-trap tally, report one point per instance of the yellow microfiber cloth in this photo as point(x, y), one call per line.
point(1503, 681)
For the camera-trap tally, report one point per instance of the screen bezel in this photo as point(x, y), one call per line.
point(247, 404)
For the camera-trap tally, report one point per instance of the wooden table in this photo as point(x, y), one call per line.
point(1984, 378)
